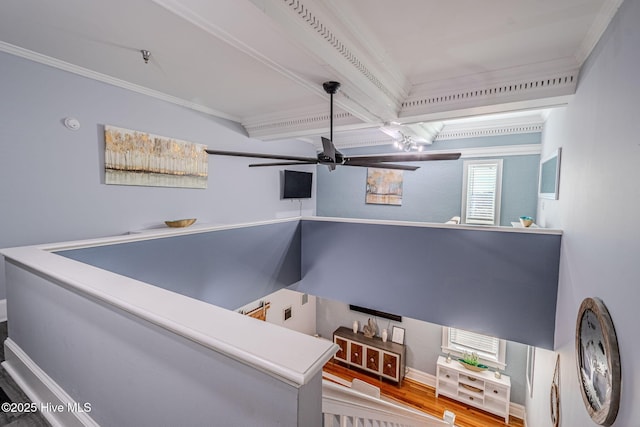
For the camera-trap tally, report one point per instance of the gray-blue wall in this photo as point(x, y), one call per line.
point(495, 282)
point(475, 279)
point(227, 268)
point(52, 179)
point(433, 193)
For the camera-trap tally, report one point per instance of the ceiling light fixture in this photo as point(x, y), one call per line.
point(407, 143)
point(145, 55)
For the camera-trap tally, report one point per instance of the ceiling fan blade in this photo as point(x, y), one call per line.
point(382, 166)
point(256, 165)
point(408, 157)
point(262, 156)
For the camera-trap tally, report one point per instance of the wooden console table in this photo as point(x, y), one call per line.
point(385, 359)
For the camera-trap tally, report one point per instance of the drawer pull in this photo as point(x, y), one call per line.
point(470, 397)
point(355, 354)
point(388, 365)
point(371, 360)
point(448, 376)
point(495, 391)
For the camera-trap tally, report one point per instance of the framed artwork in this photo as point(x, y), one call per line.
point(384, 186)
point(598, 361)
point(550, 176)
point(398, 335)
point(138, 158)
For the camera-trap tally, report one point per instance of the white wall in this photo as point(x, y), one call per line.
point(303, 316)
point(52, 179)
point(599, 200)
point(136, 372)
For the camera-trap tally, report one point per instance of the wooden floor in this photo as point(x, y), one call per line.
point(424, 398)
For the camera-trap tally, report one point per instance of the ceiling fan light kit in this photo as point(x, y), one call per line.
point(332, 158)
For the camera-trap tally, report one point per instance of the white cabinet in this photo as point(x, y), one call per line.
point(479, 389)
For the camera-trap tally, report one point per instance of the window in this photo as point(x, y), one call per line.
point(481, 188)
point(492, 351)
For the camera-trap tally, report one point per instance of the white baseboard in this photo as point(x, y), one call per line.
point(515, 409)
point(3, 310)
point(421, 377)
point(53, 402)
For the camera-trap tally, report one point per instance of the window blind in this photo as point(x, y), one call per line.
point(472, 341)
point(482, 192)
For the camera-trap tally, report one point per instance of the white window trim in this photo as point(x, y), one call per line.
point(498, 200)
point(499, 363)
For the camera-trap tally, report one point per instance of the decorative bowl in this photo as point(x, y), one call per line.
point(526, 221)
point(476, 368)
point(180, 223)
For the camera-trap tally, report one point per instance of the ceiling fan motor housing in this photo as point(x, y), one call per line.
point(331, 87)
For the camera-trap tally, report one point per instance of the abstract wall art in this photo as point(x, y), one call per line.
point(384, 186)
point(140, 158)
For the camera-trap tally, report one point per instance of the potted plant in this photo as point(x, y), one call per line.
point(471, 361)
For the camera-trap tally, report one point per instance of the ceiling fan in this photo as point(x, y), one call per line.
point(332, 157)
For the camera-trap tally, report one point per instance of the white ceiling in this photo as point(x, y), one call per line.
point(262, 62)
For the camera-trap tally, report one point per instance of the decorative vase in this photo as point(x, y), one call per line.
point(355, 326)
point(384, 335)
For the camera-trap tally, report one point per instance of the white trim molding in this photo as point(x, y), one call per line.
point(59, 409)
point(605, 15)
point(421, 377)
point(85, 72)
point(3, 310)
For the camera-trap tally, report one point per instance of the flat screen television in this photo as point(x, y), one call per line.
point(297, 185)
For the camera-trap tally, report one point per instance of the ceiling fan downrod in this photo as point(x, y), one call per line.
point(331, 88)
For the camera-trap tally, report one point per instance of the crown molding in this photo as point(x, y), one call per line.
point(500, 151)
point(324, 29)
point(374, 50)
point(493, 151)
point(363, 138)
point(373, 93)
point(533, 86)
point(311, 121)
point(480, 128)
point(493, 131)
point(605, 15)
point(104, 78)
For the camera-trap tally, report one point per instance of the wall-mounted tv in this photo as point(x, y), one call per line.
point(297, 185)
